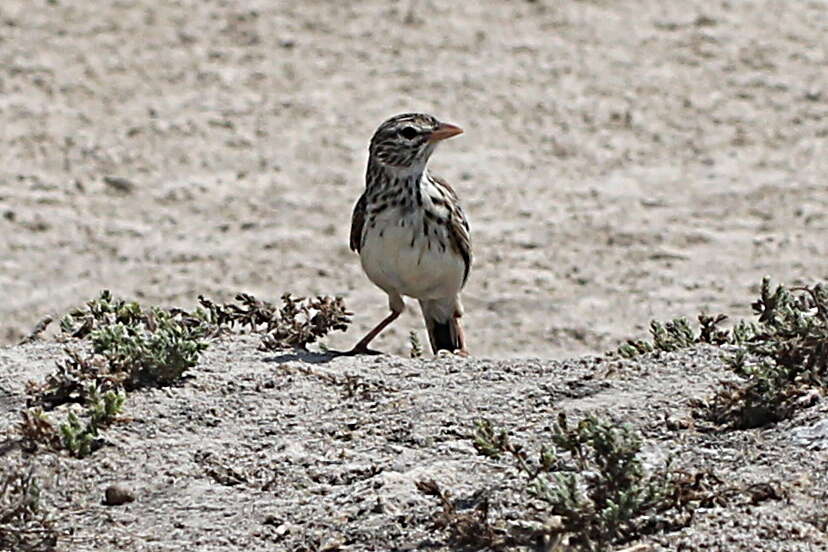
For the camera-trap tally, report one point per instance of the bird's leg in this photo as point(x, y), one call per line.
point(463, 350)
point(397, 306)
point(361, 348)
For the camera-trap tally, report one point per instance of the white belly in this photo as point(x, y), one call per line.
point(395, 265)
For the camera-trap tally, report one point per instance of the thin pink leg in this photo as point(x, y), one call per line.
point(361, 348)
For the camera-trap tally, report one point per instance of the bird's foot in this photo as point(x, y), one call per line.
point(445, 353)
point(356, 351)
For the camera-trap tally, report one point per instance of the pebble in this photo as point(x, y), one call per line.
point(118, 494)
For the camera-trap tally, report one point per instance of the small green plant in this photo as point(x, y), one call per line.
point(85, 380)
point(79, 434)
point(150, 355)
point(103, 311)
point(74, 374)
point(794, 331)
point(131, 347)
point(675, 335)
point(471, 528)
point(783, 359)
point(24, 522)
point(585, 486)
point(151, 346)
point(590, 475)
point(105, 407)
point(37, 430)
point(416, 346)
point(79, 439)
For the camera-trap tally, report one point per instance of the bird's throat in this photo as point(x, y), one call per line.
point(390, 175)
point(388, 187)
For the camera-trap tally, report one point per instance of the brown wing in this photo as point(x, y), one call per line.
point(357, 220)
point(461, 238)
point(458, 226)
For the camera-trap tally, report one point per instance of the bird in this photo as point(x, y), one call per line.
point(410, 231)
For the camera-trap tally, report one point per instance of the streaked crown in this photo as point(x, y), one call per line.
point(409, 139)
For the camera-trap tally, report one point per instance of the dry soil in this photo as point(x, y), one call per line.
point(622, 161)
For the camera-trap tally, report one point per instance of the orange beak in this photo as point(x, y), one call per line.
point(444, 131)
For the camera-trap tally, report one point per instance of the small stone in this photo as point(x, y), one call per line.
point(283, 529)
point(675, 423)
point(118, 494)
point(270, 519)
point(119, 184)
point(813, 95)
point(704, 21)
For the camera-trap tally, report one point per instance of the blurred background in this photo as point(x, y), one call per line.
point(623, 159)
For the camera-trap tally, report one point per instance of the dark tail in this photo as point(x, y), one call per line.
point(444, 332)
point(442, 338)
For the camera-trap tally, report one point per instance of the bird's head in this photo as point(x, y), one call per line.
point(405, 142)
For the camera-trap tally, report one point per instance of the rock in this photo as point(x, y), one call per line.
point(119, 184)
point(118, 494)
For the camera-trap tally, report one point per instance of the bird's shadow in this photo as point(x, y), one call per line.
point(311, 357)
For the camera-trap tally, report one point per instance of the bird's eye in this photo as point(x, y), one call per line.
point(408, 132)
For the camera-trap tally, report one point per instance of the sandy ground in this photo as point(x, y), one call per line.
point(622, 160)
point(295, 452)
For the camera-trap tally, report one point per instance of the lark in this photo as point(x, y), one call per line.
point(410, 231)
